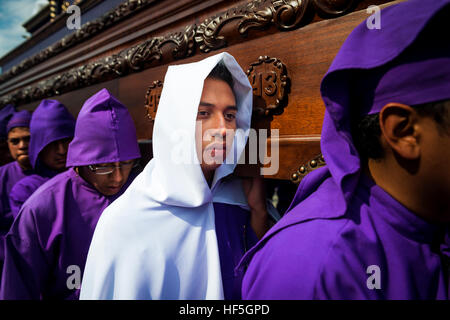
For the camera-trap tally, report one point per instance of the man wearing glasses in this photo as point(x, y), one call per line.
point(47, 246)
point(18, 138)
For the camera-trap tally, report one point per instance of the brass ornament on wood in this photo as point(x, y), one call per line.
point(152, 99)
point(304, 169)
point(268, 77)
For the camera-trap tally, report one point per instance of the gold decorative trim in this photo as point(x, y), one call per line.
point(268, 77)
point(152, 99)
point(304, 169)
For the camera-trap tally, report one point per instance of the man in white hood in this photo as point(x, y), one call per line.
point(183, 225)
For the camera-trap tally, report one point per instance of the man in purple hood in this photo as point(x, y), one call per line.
point(373, 223)
point(47, 246)
point(5, 115)
point(18, 133)
point(51, 130)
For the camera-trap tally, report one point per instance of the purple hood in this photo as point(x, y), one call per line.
point(405, 61)
point(104, 133)
point(19, 119)
point(50, 121)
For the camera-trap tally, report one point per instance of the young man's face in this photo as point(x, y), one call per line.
point(216, 124)
point(54, 154)
point(416, 156)
point(107, 178)
point(18, 141)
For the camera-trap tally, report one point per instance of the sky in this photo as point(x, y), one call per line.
point(13, 13)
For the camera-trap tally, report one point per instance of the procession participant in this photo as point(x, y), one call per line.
point(51, 130)
point(18, 137)
point(373, 223)
point(183, 225)
point(47, 246)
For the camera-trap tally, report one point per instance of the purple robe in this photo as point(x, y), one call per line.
point(344, 237)
point(234, 237)
point(47, 245)
point(23, 189)
point(9, 174)
point(315, 252)
point(51, 121)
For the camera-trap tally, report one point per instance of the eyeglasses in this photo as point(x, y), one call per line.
point(104, 169)
point(16, 141)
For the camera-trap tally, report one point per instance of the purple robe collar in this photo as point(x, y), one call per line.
point(407, 223)
point(104, 133)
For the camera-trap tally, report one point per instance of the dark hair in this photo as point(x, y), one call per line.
point(220, 72)
point(366, 132)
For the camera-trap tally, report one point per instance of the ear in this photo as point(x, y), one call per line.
point(400, 130)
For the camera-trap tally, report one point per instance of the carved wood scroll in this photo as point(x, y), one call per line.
point(268, 78)
point(304, 169)
point(87, 30)
point(208, 36)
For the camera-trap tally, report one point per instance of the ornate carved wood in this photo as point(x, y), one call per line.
point(89, 29)
point(268, 77)
point(257, 14)
point(294, 32)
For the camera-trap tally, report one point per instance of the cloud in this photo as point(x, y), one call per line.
point(13, 13)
